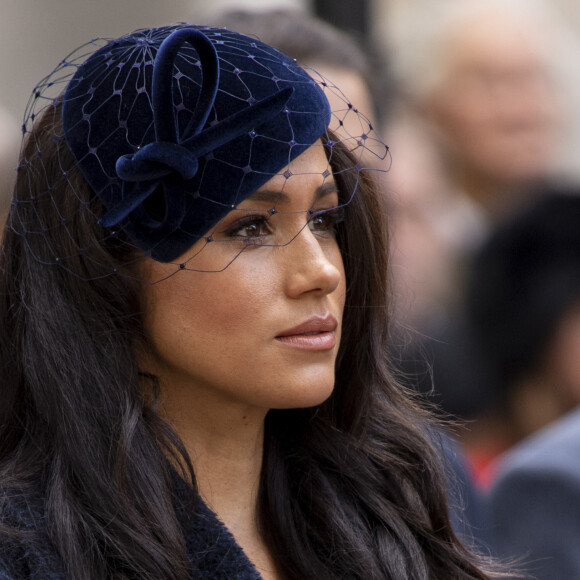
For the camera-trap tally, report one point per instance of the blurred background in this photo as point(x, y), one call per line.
point(34, 34)
point(479, 101)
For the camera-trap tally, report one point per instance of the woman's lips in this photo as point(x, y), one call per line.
point(316, 333)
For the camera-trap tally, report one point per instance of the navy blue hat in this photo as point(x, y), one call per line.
point(173, 127)
point(140, 146)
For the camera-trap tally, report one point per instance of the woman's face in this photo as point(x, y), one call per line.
point(497, 106)
point(265, 331)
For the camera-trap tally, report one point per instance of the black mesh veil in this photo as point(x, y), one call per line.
point(138, 148)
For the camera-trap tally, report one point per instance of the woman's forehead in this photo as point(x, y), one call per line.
point(308, 176)
point(310, 166)
point(313, 160)
point(292, 197)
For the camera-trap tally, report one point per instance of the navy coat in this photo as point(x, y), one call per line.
point(212, 550)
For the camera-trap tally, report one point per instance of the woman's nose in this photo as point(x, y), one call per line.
point(312, 265)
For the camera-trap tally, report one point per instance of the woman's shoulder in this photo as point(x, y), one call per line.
point(25, 548)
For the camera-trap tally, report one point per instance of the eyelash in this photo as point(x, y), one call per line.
point(330, 219)
point(257, 221)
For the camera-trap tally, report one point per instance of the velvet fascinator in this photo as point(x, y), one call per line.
point(172, 128)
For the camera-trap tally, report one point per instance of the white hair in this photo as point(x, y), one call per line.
point(420, 59)
point(418, 43)
point(218, 6)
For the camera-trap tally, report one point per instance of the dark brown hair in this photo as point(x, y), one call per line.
point(349, 489)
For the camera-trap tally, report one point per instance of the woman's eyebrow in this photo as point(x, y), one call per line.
point(273, 196)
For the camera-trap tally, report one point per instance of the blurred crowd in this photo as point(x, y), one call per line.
point(485, 215)
point(484, 203)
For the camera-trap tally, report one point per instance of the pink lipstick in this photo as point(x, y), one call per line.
point(316, 333)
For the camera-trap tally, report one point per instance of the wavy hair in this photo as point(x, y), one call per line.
point(349, 489)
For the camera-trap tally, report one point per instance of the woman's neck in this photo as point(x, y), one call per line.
point(226, 449)
point(227, 467)
point(227, 463)
point(225, 444)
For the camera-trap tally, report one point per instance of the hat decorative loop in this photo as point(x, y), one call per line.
point(172, 160)
point(172, 127)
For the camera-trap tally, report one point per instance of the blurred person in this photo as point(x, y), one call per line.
point(480, 86)
point(480, 100)
point(429, 230)
point(9, 139)
point(535, 502)
point(493, 108)
point(522, 309)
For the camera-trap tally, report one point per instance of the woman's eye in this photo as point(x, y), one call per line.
point(327, 220)
point(249, 227)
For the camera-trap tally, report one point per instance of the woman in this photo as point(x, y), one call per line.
point(193, 328)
